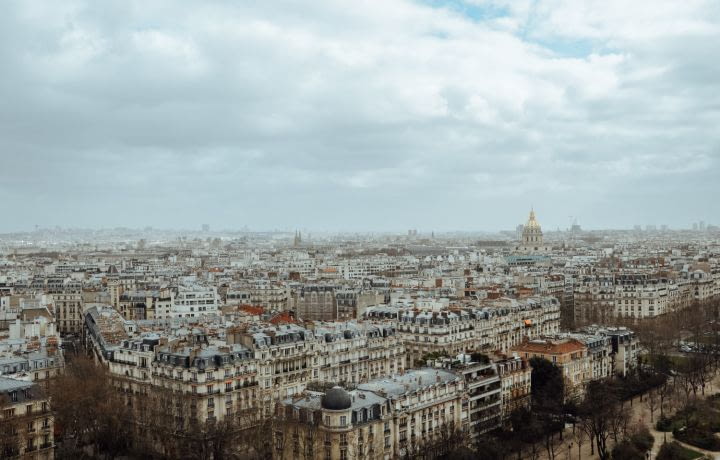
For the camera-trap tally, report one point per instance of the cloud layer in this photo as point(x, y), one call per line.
point(380, 115)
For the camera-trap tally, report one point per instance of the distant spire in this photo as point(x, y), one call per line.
point(532, 222)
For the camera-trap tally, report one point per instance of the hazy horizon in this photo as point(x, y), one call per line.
point(305, 231)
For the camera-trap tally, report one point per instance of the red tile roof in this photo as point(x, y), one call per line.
point(551, 347)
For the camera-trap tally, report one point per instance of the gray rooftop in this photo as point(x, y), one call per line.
point(409, 382)
point(7, 384)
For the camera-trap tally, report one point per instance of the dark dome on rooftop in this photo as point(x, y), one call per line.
point(336, 399)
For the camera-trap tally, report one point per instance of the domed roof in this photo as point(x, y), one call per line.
point(336, 399)
point(532, 223)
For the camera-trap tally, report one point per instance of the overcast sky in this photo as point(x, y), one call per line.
point(359, 115)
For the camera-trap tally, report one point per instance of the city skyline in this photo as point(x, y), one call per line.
point(699, 225)
point(342, 230)
point(438, 115)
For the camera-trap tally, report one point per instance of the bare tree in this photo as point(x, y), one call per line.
point(602, 415)
point(89, 411)
point(652, 400)
point(665, 392)
point(447, 438)
point(579, 435)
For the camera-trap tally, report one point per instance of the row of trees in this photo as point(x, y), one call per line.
point(602, 419)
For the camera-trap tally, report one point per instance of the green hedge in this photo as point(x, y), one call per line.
point(699, 438)
point(674, 451)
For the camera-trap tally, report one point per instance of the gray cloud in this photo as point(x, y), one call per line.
point(339, 115)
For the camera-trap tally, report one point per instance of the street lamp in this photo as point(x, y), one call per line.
point(569, 447)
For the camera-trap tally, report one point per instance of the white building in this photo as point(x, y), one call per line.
point(194, 300)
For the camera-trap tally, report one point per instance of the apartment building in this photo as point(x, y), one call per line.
point(291, 356)
point(515, 380)
point(702, 285)
point(146, 304)
point(352, 353)
point(352, 302)
point(32, 351)
point(624, 344)
point(600, 299)
point(440, 332)
point(37, 366)
point(271, 295)
point(570, 355)
point(26, 423)
point(510, 321)
point(594, 299)
point(498, 325)
point(314, 302)
point(68, 306)
point(386, 418)
point(194, 300)
point(599, 352)
point(483, 402)
point(642, 296)
point(211, 382)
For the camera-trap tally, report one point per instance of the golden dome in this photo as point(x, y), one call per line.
point(532, 223)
